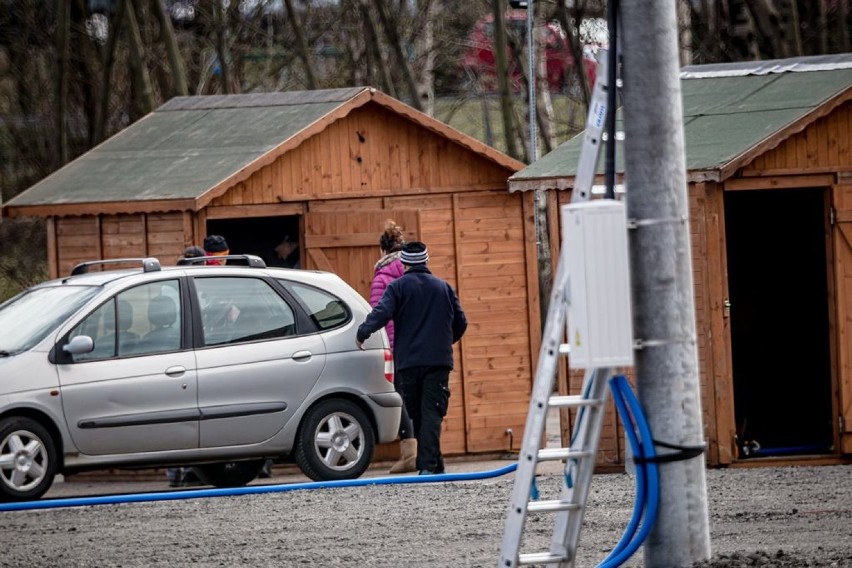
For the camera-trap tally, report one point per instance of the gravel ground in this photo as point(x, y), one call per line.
point(779, 517)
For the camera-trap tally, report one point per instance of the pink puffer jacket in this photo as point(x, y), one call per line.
point(388, 269)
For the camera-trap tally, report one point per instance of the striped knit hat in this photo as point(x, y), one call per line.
point(414, 253)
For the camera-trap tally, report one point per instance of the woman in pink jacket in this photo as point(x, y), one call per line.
point(388, 269)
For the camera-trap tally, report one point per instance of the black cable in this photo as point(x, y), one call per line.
point(612, 75)
point(682, 453)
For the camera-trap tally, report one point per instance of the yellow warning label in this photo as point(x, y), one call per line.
point(577, 338)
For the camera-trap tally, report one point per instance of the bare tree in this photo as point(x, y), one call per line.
point(109, 52)
point(424, 43)
point(390, 24)
point(301, 44)
point(167, 33)
point(63, 33)
point(502, 65)
point(143, 95)
point(373, 51)
point(223, 60)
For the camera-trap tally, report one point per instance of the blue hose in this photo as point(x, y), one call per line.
point(251, 490)
point(647, 476)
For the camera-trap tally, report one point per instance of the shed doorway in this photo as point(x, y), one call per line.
point(778, 285)
point(257, 235)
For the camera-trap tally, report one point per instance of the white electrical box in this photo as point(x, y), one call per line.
point(600, 321)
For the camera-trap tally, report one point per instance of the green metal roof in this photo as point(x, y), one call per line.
point(728, 109)
point(184, 148)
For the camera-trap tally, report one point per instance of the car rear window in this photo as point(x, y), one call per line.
point(236, 310)
point(326, 311)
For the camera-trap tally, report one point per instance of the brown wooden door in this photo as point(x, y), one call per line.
point(843, 289)
point(347, 243)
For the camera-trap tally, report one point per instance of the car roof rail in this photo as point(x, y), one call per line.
point(149, 264)
point(251, 260)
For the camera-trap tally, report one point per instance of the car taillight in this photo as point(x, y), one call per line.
point(389, 366)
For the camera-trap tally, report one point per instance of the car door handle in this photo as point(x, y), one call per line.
point(302, 355)
point(176, 371)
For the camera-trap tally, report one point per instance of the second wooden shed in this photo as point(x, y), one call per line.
point(769, 160)
point(328, 167)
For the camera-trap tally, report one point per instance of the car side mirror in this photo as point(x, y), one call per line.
point(79, 345)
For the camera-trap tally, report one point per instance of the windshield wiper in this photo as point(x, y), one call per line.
point(4, 353)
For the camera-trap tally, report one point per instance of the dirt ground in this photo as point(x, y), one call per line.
point(780, 517)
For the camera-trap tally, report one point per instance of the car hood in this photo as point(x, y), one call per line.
point(25, 371)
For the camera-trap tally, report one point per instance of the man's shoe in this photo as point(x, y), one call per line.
point(426, 472)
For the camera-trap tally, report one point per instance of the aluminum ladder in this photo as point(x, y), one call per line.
point(579, 456)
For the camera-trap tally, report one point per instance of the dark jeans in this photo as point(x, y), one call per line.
point(406, 427)
point(426, 393)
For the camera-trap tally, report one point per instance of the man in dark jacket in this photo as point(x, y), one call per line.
point(427, 319)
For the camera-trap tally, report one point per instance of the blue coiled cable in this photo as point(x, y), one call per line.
point(647, 475)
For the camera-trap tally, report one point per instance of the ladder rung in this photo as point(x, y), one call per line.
point(564, 349)
point(553, 454)
point(572, 401)
point(540, 558)
point(551, 506)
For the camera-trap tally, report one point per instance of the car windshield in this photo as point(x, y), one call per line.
point(27, 318)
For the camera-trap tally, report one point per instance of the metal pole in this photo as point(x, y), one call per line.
point(532, 80)
point(538, 196)
point(660, 255)
point(612, 84)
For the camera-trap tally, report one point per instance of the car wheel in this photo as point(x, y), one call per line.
point(28, 459)
point(335, 441)
point(229, 474)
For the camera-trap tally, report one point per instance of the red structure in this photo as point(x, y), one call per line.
point(478, 60)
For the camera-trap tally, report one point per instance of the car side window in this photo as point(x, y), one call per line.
point(325, 310)
point(100, 326)
point(236, 310)
point(141, 320)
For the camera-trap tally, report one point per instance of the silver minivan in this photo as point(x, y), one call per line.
point(215, 367)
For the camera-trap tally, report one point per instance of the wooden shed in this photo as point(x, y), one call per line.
point(330, 167)
point(769, 160)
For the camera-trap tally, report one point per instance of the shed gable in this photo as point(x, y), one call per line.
point(825, 144)
point(371, 151)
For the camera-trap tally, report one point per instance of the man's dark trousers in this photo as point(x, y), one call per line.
point(426, 393)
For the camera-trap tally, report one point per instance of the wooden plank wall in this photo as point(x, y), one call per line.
point(90, 237)
point(499, 365)
point(710, 284)
point(78, 239)
point(823, 146)
point(371, 152)
point(477, 243)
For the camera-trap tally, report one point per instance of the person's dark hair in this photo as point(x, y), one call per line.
point(193, 252)
point(391, 240)
point(215, 243)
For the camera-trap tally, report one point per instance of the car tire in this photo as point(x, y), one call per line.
point(335, 441)
point(229, 474)
point(28, 457)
